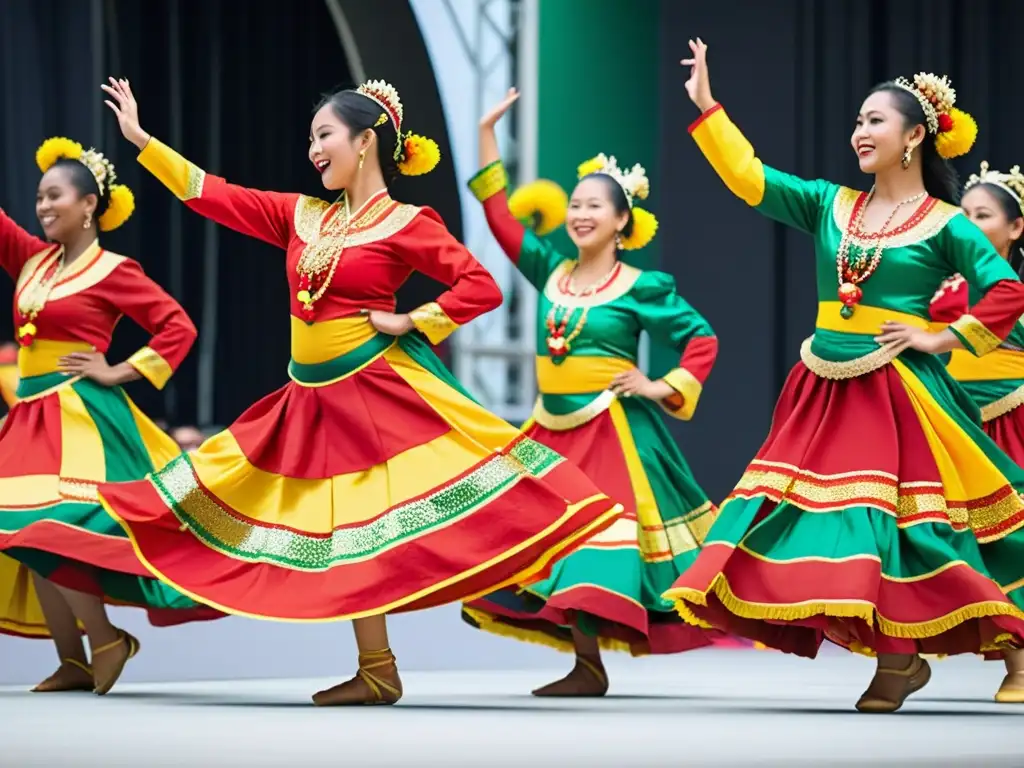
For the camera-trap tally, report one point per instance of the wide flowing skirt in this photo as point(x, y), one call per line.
point(60, 441)
point(877, 514)
point(375, 485)
point(612, 586)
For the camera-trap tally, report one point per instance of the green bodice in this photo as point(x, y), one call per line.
point(935, 242)
point(631, 302)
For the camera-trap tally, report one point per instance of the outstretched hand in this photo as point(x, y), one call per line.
point(698, 86)
point(127, 111)
point(499, 110)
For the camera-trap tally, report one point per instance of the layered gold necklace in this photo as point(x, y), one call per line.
point(34, 296)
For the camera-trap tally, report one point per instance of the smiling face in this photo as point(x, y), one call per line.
point(592, 219)
point(333, 149)
point(61, 208)
point(881, 136)
point(1002, 223)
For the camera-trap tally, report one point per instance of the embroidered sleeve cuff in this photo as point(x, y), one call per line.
point(176, 173)
point(152, 366)
point(489, 181)
point(973, 334)
point(432, 322)
point(688, 389)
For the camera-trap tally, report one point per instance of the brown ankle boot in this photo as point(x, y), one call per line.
point(376, 682)
point(891, 687)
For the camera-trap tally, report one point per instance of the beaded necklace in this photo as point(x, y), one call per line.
point(560, 345)
point(850, 273)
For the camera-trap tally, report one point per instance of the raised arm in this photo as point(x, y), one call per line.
point(534, 257)
point(780, 196)
point(427, 246)
point(16, 246)
point(267, 216)
point(671, 321)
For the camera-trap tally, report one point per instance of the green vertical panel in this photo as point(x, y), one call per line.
point(598, 92)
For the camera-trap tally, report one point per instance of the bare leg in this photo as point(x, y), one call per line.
point(74, 673)
point(587, 678)
point(1012, 689)
point(896, 677)
point(377, 680)
point(111, 647)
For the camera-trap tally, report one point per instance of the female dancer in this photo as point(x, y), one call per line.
point(877, 513)
point(995, 382)
point(371, 483)
point(72, 426)
point(599, 411)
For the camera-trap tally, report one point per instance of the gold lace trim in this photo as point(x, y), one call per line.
point(849, 369)
point(194, 182)
point(1003, 405)
point(489, 181)
point(563, 422)
point(77, 490)
point(931, 222)
point(381, 220)
point(973, 331)
point(617, 288)
point(433, 322)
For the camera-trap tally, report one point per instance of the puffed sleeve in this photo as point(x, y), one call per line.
point(670, 320)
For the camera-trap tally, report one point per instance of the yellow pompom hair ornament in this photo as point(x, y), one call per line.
point(120, 209)
point(52, 150)
point(959, 139)
point(420, 155)
point(955, 131)
point(415, 154)
point(635, 184)
point(541, 205)
point(645, 227)
point(122, 201)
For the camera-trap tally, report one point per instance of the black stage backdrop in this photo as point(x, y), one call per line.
point(231, 86)
point(792, 74)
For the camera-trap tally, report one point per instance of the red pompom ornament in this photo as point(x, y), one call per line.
point(945, 122)
point(850, 294)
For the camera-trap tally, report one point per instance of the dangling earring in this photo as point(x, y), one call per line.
point(618, 241)
point(362, 159)
point(906, 157)
point(88, 220)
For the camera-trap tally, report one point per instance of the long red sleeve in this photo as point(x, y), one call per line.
point(17, 246)
point(145, 302)
point(427, 246)
point(267, 216)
